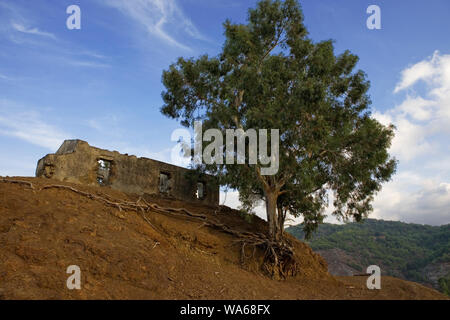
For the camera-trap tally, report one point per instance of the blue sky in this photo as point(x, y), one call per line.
point(102, 83)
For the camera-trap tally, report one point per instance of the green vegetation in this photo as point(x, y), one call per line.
point(400, 249)
point(270, 75)
point(248, 217)
point(444, 284)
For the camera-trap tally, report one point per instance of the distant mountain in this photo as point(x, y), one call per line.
point(414, 252)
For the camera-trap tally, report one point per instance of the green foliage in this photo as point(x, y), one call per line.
point(248, 217)
point(400, 249)
point(444, 284)
point(270, 75)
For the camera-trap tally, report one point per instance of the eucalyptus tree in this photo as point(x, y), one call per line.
point(271, 75)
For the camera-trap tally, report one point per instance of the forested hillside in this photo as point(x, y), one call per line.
point(413, 252)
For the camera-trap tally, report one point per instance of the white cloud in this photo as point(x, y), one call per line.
point(418, 108)
point(422, 121)
point(28, 126)
point(161, 18)
point(410, 138)
point(424, 70)
point(420, 191)
point(87, 64)
point(428, 205)
point(62, 51)
point(35, 31)
point(3, 77)
point(91, 54)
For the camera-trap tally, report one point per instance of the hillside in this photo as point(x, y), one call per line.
point(175, 253)
point(413, 252)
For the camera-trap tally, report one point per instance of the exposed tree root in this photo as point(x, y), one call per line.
point(278, 262)
point(18, 182)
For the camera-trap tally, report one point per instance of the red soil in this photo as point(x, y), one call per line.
point(124, 256)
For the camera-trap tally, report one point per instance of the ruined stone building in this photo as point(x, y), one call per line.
point(76, 161)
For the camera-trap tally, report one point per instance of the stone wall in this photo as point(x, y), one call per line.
point(76, 161)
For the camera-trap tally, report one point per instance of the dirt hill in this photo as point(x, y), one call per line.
point(189, 253)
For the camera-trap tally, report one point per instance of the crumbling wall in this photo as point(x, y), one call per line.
point(76, 161)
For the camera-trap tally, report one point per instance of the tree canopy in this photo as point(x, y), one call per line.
point(271, 75)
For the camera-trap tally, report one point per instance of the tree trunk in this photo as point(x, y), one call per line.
point(281, 219)
point(269, 217)
point(271, 210)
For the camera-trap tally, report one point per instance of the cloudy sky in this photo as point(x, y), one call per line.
point(102, 83)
